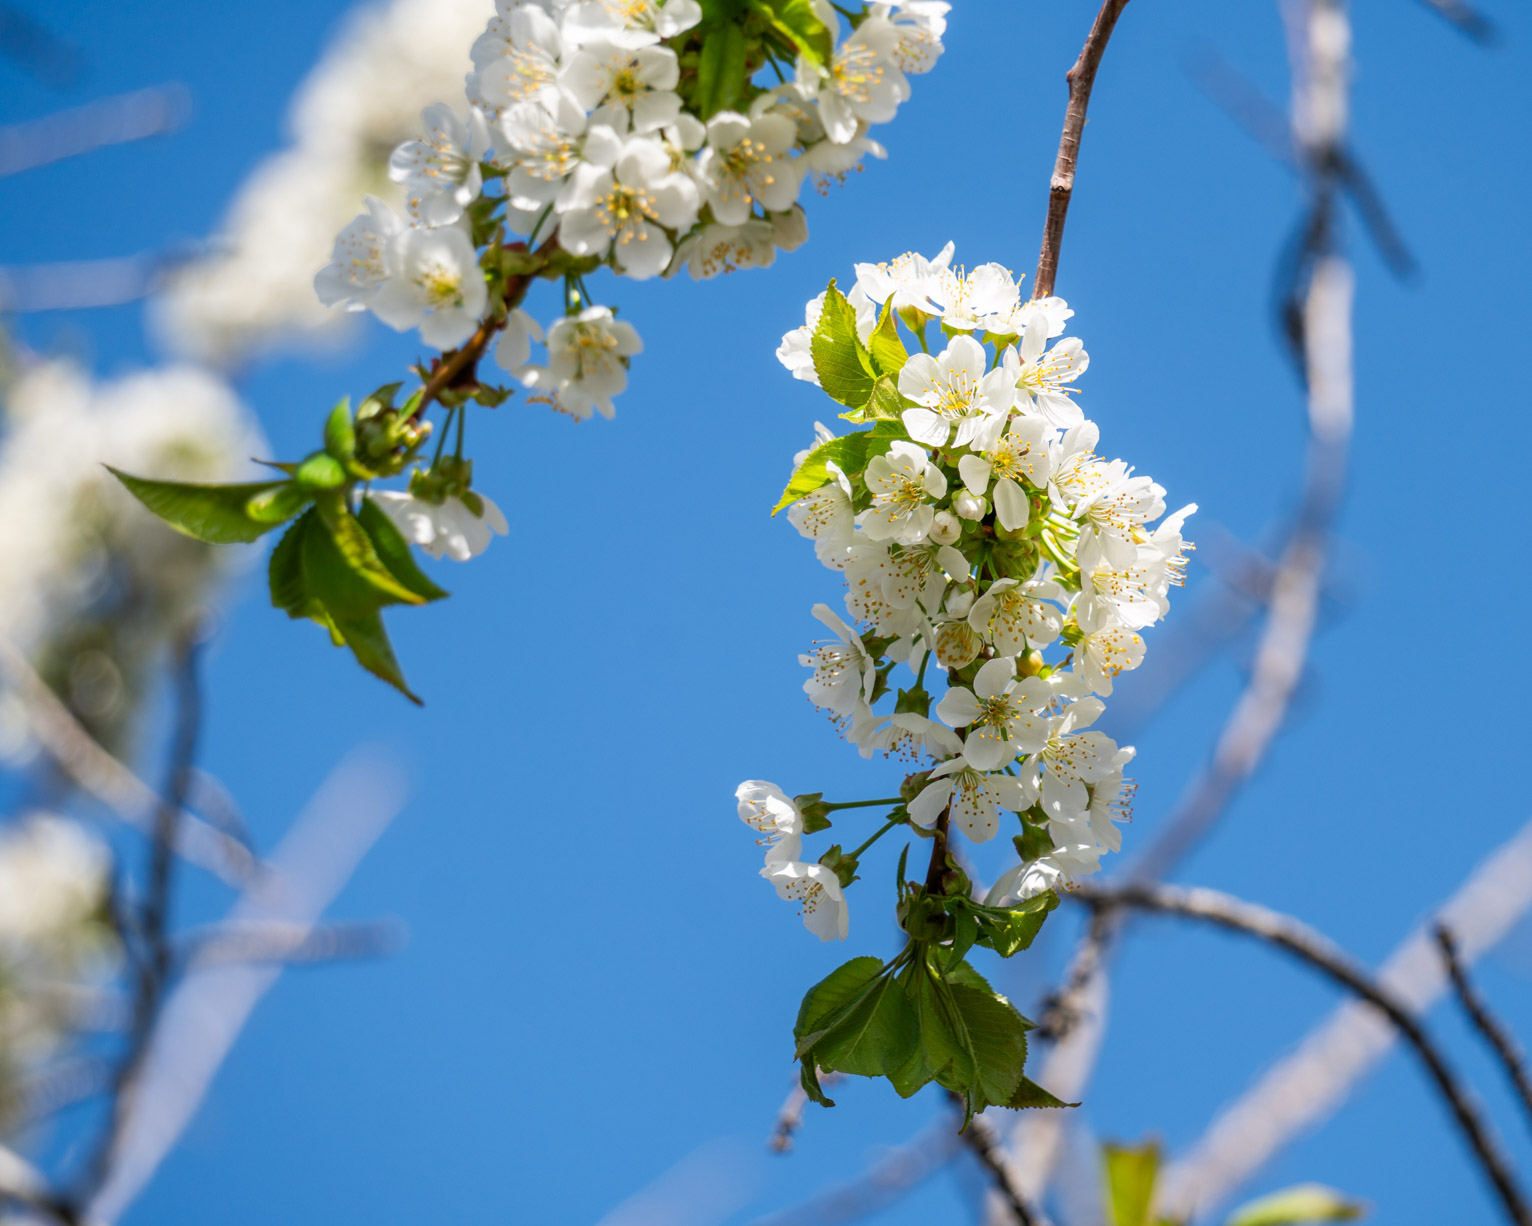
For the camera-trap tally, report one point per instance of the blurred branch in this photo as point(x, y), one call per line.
point(883, 1183)
point(107, 779)
point(1081, 80)
point(1512, 1059)
point(1467, 20)
point(62, 1085)
point(985, 1143)
point(1321, 955)
point(24, 1184)
point(83, 285)
point(1312, 1080)
point(290, 944)
point(26, 41)
point(200, 1020)
point(115, 120)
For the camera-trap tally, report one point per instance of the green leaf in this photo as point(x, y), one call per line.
point(344, 570)
point(216, 514)
point(284, 571)
point(886, 403)
point(720, 68)
point(875, 1038)
point(1131, 1172)
point(832, 996)
point(394, 552)
point(340, 431)
point(808, 1078)
point(841, 360)
point(849, 453)
point(1009, 929)
point(888, 352)
point(278, 505)
point(965, 933)
point(1304, 1202)
point(939, 1053)
point(321, 471)
point(996, 1038)
point(369, 644)
point(797, 21)
point(1030, 1094)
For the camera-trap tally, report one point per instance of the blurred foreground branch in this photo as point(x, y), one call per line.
point(115, 120)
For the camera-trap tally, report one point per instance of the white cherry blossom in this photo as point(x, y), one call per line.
point(954, 389)
point(1002, 714)
point(844, 673)
point(358, 268)
point(903, 483)
point(746, 163)
point(765, 808)
point(440, 174)
point(1102, 655)
point(434, 284)
point(974, 796)
point(1021, 452)
point(587, 362)
point(1015, 614)
point(817, 891)
point(903, 735)
point(862, 82)
point(921, 24)
point(1041, 378)
point(625, 208)
point(625, 87)
point(1072, 758)
point(518, 61)
point(450, 529)
point(907, 281)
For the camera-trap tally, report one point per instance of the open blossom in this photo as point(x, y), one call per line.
point(843, 673)
point(544, 148)
point(954, 389)
point(1002, 714)
point(1102, 654)
point(359, 266)
point(1014, 615)
point(514, 348)
point(817, 891)
point(764, 807)
point(746, 163)
point(631, 23)
point(903, 735)
point(587, 361)
point(518, 60)
point(907, 281)
point(863, 80)
point(1114, 510)
point(1021, 452)
point(625, 87)
point(974, 796)
point(450, 529)
point(970, 300)
point(434, 283)
point(1073, 758)
point(440, 174)
point(1042, 378)
point(903, 483)
point(921, 24)
point(625, 206)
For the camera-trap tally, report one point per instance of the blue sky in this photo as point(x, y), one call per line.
point(596, 983)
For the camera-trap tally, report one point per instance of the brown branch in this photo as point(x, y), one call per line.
point(985, 1143)
point(1467, 20)
point(1320, 954)
point(1081, 78)
point(1512, 1059)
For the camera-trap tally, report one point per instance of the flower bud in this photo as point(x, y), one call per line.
point(946, 528)
point(1029, 663)
point(970, 506)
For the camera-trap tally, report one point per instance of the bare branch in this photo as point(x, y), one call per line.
point(1320, 954)
point(1310, 1082)
point(1467, 20)
point(289, 944)
point(1511, 1057)
point(985, 1143)
point(1081, 79)
point(107, 780)
point(108, 121)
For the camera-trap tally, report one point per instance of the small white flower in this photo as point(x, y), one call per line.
point(587, 363)
point(359, 265)
point(626, 207)
point(1072, 758)
point(518, 60)
point(544, 148)
point(440, 174)
point(434, 283)
point(716, 249)
point(817, 891)
point(625, 87)
point(1101, 655)
point(1111, 801)
point(764, 807)
point(970, 300)
point(1020, 452)
point(1040, 378)
point(905, 735)
point(746, 163)
point(863, 80)
point(1114, 506)
point(903, 482)
point(844, 673)
point(1026, 881)
point(1001, 713)
point(1014, 615)
point(449, 529)
point(954, 389)
point(921, 24)
point(630, 23)
point(974, 797)
point(909, 280)
point(826, 518)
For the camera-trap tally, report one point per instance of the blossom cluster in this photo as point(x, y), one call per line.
point(599, 122)
point(973, 523)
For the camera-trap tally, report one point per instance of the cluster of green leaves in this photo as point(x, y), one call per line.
point(926, 1015)
point(341, 561)
point(1131, 1173)
point(735, 39)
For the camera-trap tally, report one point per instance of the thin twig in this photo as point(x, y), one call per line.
point(1511, 1057)
point(1081, 78)
point(985, 1143)
point(289, 944)
point(109, 781)
point(115, 120)
point(1303, 1087)
point(1322, 955)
